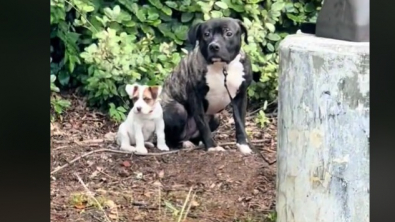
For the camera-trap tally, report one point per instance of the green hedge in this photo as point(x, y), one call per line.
point(100, 45)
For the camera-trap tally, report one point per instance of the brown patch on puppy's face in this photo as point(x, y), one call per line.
point(145, 98)
point(149, 95)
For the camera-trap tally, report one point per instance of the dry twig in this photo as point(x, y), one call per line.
point(139, 154)
point(112, 151)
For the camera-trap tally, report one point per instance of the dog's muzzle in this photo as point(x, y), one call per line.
point(217, 53)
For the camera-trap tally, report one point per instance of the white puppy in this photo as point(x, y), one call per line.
point(145, 118)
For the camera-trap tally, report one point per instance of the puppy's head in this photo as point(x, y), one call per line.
point(219, 39)
point(144, 97)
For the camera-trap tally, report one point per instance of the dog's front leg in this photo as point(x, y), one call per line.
point(203, 127)
point(240, 103)
point(160, 134)
point(139, 137)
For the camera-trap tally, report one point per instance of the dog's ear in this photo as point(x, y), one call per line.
point(194, 34)
point(243, 30)
point(155, 91)
point(131, 90)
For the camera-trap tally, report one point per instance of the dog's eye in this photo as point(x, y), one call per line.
point(229, 33)
point(134, 99)
point(207, 34)
point(147, 99)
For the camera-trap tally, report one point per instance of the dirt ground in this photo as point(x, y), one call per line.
point(108, 186)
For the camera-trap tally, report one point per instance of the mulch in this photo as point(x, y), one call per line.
point(225, 186)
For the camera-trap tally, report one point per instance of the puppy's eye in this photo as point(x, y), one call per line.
point(207, 34)
point(134, 99)
point(147, 99)
point(229, 34)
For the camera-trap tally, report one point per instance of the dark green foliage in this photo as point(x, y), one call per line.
point(102, 45)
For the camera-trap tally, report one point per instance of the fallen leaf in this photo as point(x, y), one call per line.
point(161, 174)
point(138, 217)
point(126, 163)
point(80, 206)
point(194, 203)
point(110, 136)
point(147, 194)
point(157, 183)
point(94, 174)
point(101, 191)
point(110, 204)
point(90, 163)
point(113, 216)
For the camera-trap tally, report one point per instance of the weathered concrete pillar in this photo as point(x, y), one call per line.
point(323, 131)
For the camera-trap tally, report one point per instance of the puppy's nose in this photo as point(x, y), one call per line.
point(214, 47)
point(138, 109)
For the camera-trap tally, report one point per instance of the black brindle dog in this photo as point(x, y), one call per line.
point(194, 92)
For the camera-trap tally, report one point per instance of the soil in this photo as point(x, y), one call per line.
point(109, 186)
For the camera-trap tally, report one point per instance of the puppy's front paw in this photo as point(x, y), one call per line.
point(188, 145)
point(141, 150)
point(128, 148)
point(217, 148)
point(163, 147)
point(244, 148)
point(149, 145)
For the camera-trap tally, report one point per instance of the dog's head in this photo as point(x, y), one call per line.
point(219, 39)
point(144, 97)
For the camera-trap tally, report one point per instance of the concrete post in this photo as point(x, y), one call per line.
point(323, 130)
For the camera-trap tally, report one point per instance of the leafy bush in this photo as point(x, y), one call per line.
point(102, 45)
point(58, 105)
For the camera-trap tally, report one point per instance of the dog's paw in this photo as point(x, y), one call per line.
point(163, 147)
point(149, 145)
point(128, 148)
point(188, 145)
point(244, 148)
point(217, 148)
point(141, 150)
point(201, 144)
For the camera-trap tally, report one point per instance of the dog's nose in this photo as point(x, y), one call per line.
point(138, 109)
point(214, 47)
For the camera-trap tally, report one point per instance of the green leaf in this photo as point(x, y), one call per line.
point(156, 3)
point(116, 10)
point(222, 5)
point(309, 7)
point(289, 7)
point(270, 47)
point(273, 37)
point(171, 4)
point(53, 78)
point(278, 6)
point(167, 10)
point(141, 15)
point(227, 12)
point(152, 14)
point(186, 17)
point(216, 14)
point(181, 32)
point(64, 78)
point(121, 109)
point(162, 57)
point(270, 27)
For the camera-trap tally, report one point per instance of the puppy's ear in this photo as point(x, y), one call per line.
point(155, 91)
point(243, 30)
point(194, 34)
point(131, 90)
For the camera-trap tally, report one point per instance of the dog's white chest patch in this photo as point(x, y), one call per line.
point(217, 95)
